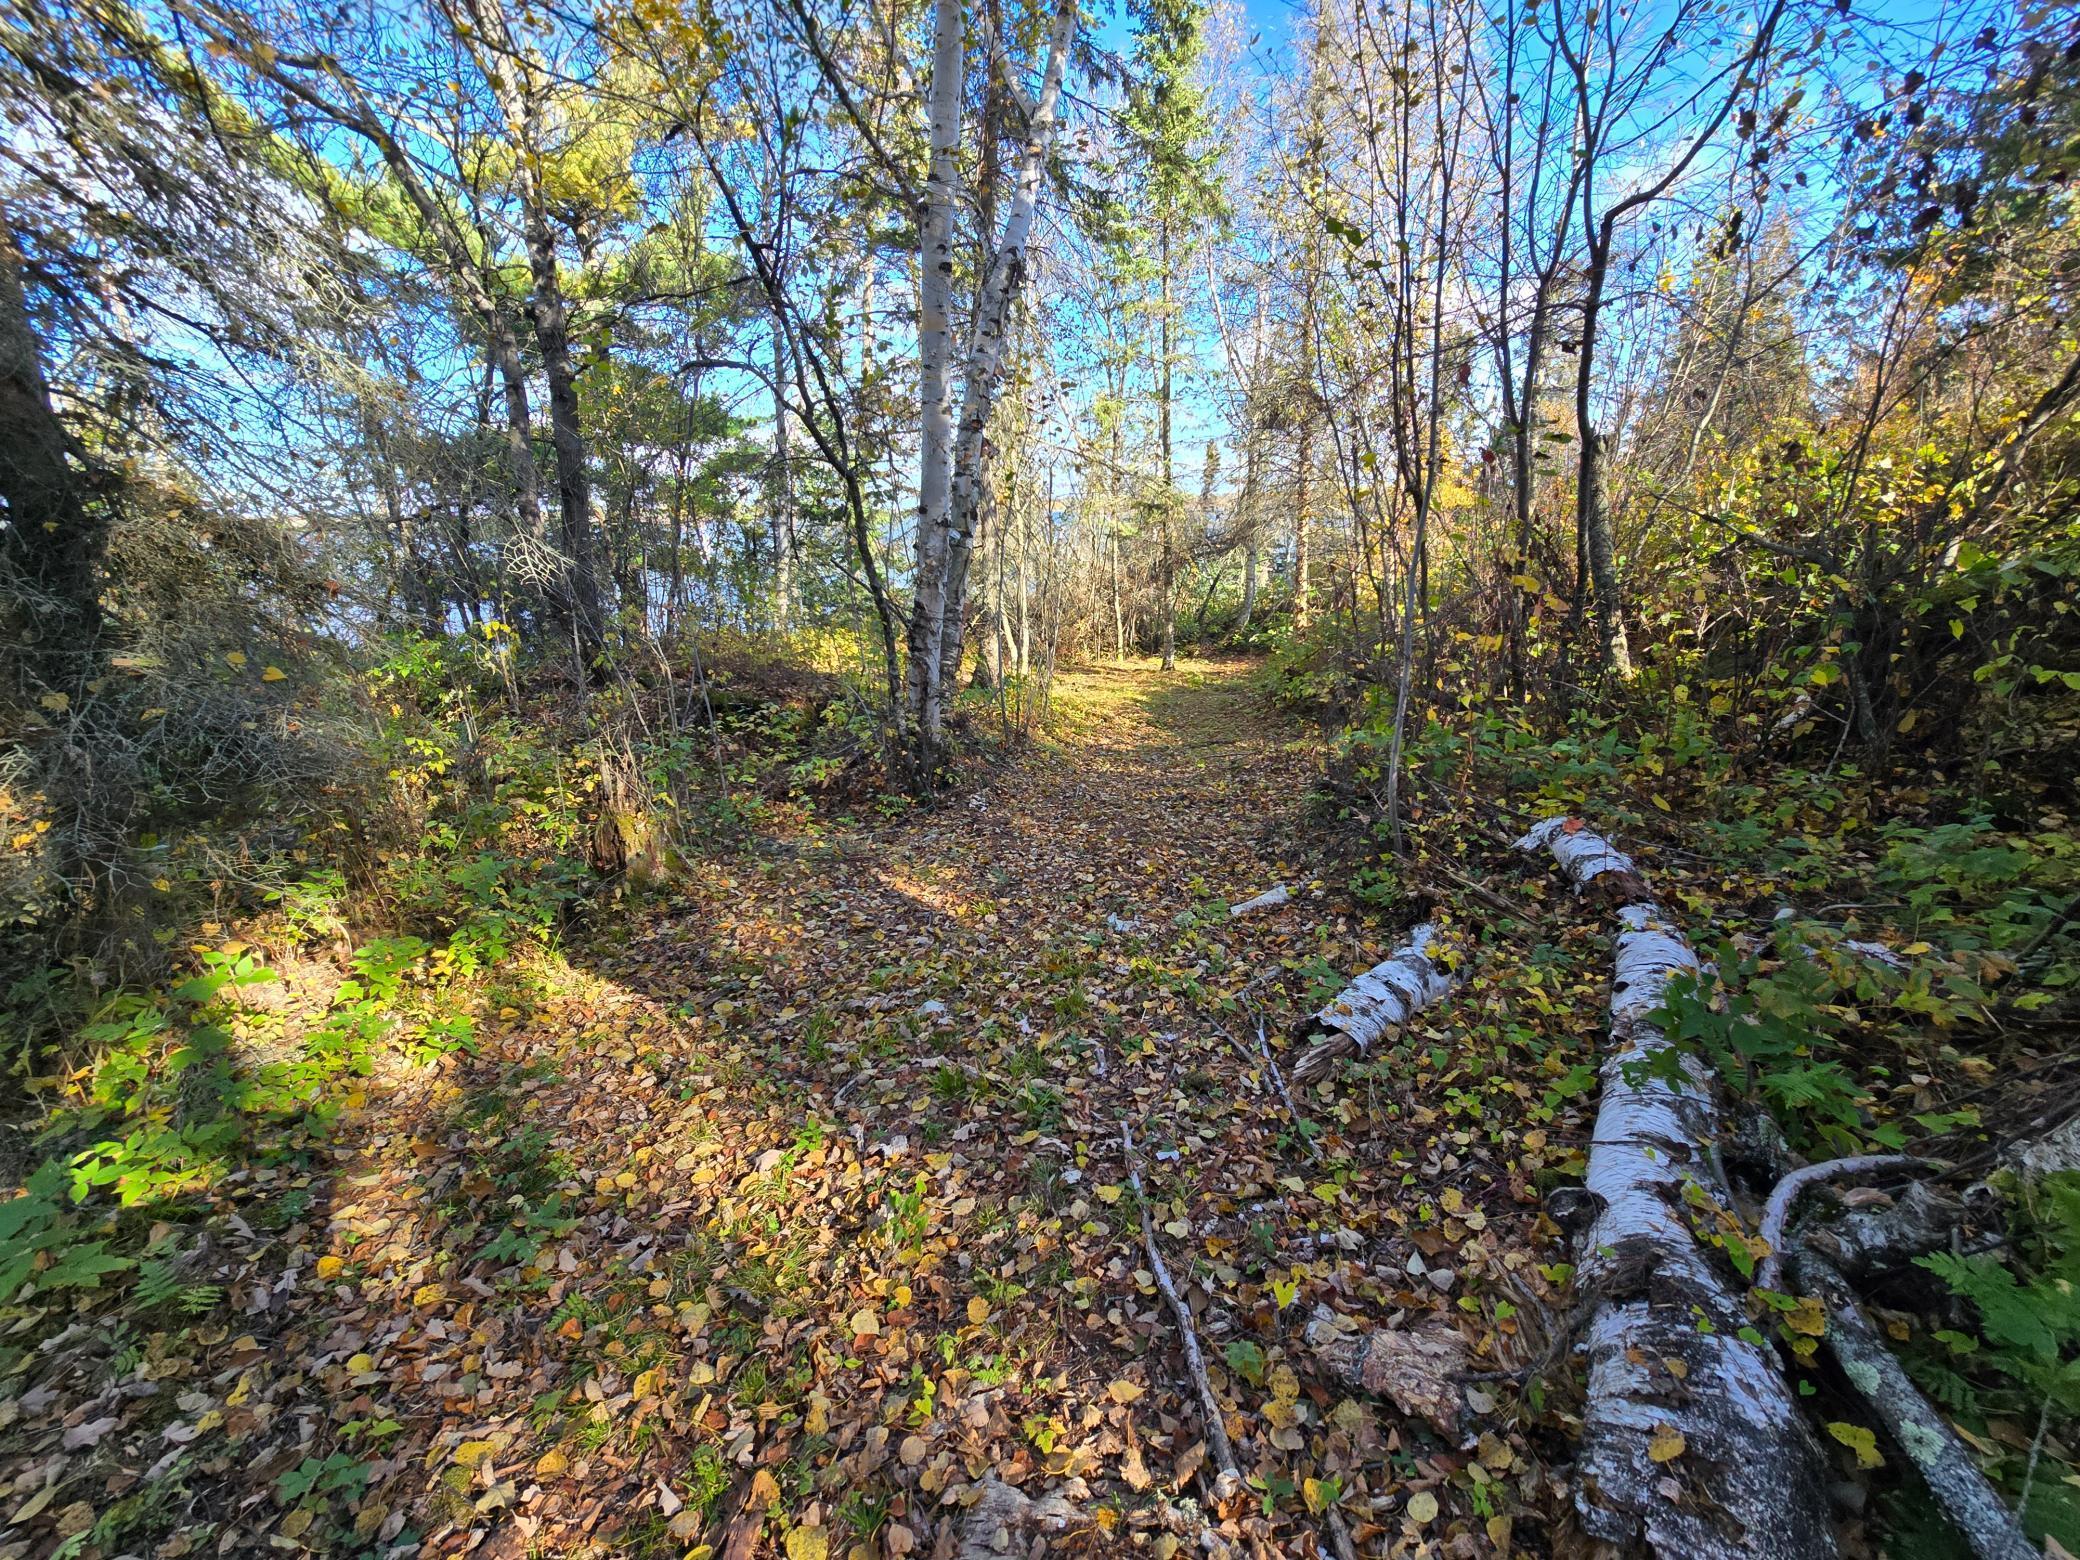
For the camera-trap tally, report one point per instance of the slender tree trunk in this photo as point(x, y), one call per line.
point(1593, 517)
point(1300, 598)
point(513, 83)
point(990, 332)
point(783, 493)
point(51, 548)
point(1119, 619)
point(1169, 493)
point(504, 349)
point(1025, 604)
point(935, 395)
point(573, 473)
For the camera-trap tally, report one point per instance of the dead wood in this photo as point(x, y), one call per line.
point(1417, 1369)
point(1776, 1217)
point(1922, 1435)
point(1378, 1002)
point(1692, 1443)
point(1195, 1361)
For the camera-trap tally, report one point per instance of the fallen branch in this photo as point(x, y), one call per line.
point(1868, 1243)
point(1278, 1080)
point(1923, 1435)
point(1230, 1478)
point(1776, 1215)
point(1692, 1443)
point(1591, 862)
point(1382, 999)
point(1270, 899)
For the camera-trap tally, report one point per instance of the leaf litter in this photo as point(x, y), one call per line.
point(793, 1218)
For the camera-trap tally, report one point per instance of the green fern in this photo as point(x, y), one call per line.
point(160, 1284)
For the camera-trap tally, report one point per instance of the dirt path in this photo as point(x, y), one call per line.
point(779, 1224)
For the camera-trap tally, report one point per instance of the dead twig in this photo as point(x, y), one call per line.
point(1195, 1361)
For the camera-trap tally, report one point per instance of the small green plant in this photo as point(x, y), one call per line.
point(1040, 1105)
point(2018, 1363)
point(908, 1222)
point(159, 1283)
point(521, 1239)
point(40, 1239)
point(1777, 1037)
point(316, 1480)
point(706, 1479)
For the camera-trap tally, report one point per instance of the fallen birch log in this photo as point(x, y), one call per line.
point(1592, 864)
point(1381, 1000)
point(1270, 899)
point(1692, 1443)
point(1822, 1260)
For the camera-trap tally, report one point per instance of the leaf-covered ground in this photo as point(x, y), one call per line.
point(777, 1214)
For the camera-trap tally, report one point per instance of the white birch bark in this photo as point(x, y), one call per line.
point(1583, 856)
point(1745, 1446)
point(989, 331)
point(934, 352)
point(1390, 993)
point(1692, 1443)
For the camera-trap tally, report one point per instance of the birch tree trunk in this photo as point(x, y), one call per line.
point(989, 335)
point(950, 463)
point(935, 397)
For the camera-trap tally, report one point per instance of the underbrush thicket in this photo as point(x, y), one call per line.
point(312, 930)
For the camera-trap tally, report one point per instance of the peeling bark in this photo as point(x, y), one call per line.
point(1003, 1521)
point(1747, 1480)
point(2057, 1150)
point(1382, 999)
point(1417, 1369)
point(1692, 1443)
point(1591, 862)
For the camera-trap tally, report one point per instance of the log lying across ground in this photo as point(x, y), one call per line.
point(1692, 1442)
point(1378, 1002)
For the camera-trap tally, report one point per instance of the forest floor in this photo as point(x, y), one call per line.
point(772, 1215)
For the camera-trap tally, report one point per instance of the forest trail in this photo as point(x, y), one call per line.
point(818, 1209)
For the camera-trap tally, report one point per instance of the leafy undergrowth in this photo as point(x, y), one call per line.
point(771, 1216)
point(1955, 1046)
